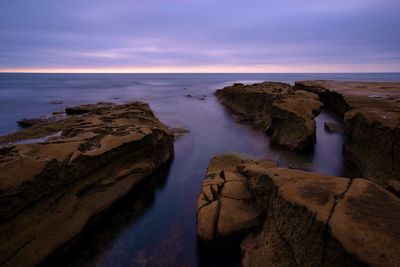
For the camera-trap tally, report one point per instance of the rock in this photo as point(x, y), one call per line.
point(287, 115)
point(304, 219)
point(178, 132)
point(28, 122)
point(45, 120)
point(49, 190)
point(333, 127)
point(82, 109)
point(225, 205)
point(189, 96)
point(56, 102)
point(371, 114)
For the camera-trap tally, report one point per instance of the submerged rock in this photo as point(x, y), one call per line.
point(333, 127)
point(49, 190)
point(56, 102)
point(286, 114)
point(304, 219)
point(28, 122)
point(371, 114)
point(178, 132)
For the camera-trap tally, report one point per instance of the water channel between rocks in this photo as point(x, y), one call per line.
point(155, 225)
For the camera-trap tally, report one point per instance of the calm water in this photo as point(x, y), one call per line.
point(155, 225)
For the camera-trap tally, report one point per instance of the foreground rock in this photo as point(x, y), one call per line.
point(49, 190)
point(371, 114)
point(303, 219)
point(286, 114)
point(226, 206)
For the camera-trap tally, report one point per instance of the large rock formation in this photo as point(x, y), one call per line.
point(288, 115)
point(304, 219)
point(71, 170)
point(371, 113)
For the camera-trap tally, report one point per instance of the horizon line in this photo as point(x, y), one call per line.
point(289, 72)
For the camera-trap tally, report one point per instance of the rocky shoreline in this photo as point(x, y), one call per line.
point(50, 189)
point(288, 217)
point(63, 170)
point(370, 112)
point(295, 218)
point(276, 108)
point(371, 118)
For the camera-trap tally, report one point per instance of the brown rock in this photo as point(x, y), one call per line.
point(276, 108)
point(308, 219)
point(225, 205)
point(50, 189)
point(371, 113)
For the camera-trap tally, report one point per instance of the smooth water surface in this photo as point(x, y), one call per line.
point(156, 224)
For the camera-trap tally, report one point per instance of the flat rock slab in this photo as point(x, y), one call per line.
point(55, 177)
point(371, 115)
point(304, 219)
point(286, 114)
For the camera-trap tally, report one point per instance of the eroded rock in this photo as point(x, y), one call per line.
point(310, 219)
point(51, 188)
point(274, 107)
point(225, 206)
point(371, 113)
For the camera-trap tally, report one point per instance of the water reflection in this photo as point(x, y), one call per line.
point(111, 226)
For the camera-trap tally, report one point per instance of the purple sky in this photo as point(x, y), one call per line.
point(201, 35)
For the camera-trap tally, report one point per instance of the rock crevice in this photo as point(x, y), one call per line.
point(371, 116)
point(309, 219)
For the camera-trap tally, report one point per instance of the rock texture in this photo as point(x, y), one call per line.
point(309, 219)
point(225, 206)
point(50, 187)
point(286, 114)
point(371, 114)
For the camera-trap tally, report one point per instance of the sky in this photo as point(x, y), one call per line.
point(199, 36)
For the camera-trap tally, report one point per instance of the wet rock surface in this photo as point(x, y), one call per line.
point(333, 127)
point(286, 114)
point(304, 219)
point(50, 189)
point(371, 115)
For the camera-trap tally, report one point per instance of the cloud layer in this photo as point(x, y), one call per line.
point(234, 35)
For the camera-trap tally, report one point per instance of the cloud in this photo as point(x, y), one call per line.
point(187, 33)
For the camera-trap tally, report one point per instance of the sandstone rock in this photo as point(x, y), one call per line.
point(371, 112)
point(304, 219)
point(333, 127)
point(225, 205)
point(50, 189)
point(287, 115)
point(319, 220)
